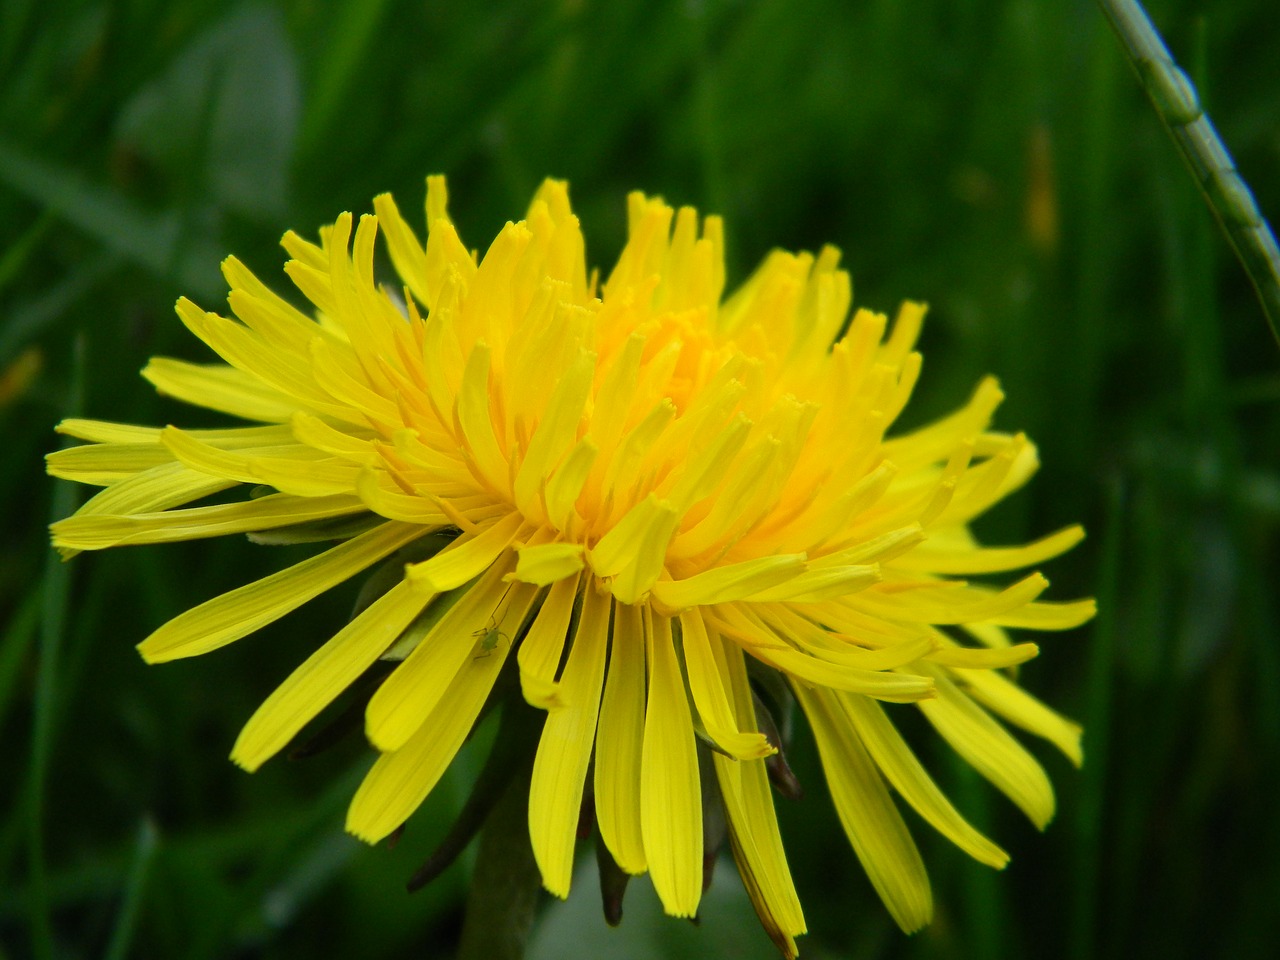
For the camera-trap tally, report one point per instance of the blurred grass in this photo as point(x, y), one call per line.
point(49, 690)
point(995, 159)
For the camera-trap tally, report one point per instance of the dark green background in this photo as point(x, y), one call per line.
point(141, 141)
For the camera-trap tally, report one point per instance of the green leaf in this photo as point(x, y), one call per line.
point(228, 106)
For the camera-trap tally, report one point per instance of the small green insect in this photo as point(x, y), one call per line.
point(489, 637)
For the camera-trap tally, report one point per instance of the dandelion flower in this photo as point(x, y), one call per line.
point(653, 502)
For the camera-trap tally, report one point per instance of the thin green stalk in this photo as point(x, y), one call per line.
point(19, 252)
point(17, 20)
point(989, 931)
point(18, 634)
point(707, 101)
point(55, 591)
point(1098, 249)
point(1089, 812)
point(126, 917)
point(1176, 103)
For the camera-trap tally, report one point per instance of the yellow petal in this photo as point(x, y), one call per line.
point(901, 768)
point(613, 400)
point(753, 825)
point(325, 674)
point(987, 747)
point(906, 330)
point(160, 488)
point(102, 464)
point(821, 584)
point(1049, 616)
point(984, 658)
point(265, 513)
point(825, 523)
point(243, 349)
point(235, 438)
point(374, 490)
point(1010, 701)
point(881, 549)
point(620, 470)
point(620, 737)
point(466, 557)
point(870, 820)
point(448, 261)
point(548, 562)
point(870, 631)
point(965, 560)
point(104, 431)
point(476, 423)
point(988, 634)
point(556, 433)
point(408, 695)
point(272, 315)
point(705, 470)
point(734, 581)
point(765, 645)
point(633, 552)
point(897, 688)
point(217, 386)
point(401, 780)
point(299, 470)
point(352, 389)
point(560, 767)
point(242, 611)
point(543, 645)
point(740, 501)
point(991, 482)
point(708, 688)
point(935, 442)
point(670, 792)
point(567, 482)
point(351, 443)
point(407, 254)
point(950, 603)
point(843, 649)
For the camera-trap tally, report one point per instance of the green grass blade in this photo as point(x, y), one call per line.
point(350, 38)
point(984, 898)
point(1089, 813)
point(16, 20)
point(54, 608)
point(144, 853)
point(26, 321)
point(13, 649)
point(13, 259)
point(153, 241)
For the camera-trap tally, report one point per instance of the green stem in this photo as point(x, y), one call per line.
point(1176, 103)
point(505, 883)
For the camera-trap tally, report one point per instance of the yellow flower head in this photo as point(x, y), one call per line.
point(648, 494)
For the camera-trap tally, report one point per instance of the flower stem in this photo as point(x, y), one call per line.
point(505, 884)
point(1178, 106)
